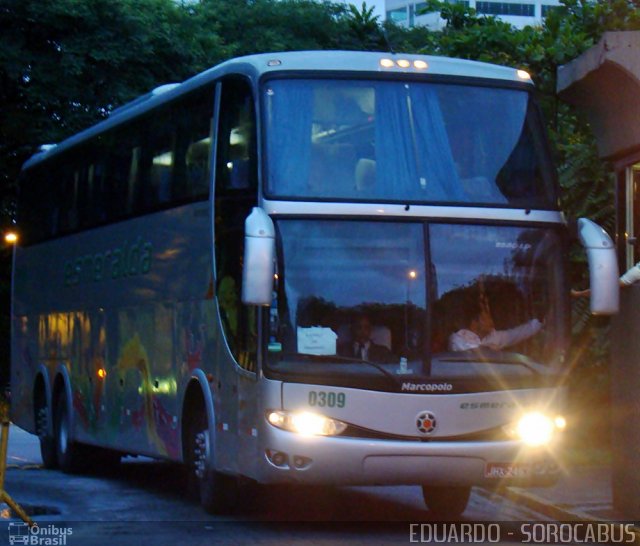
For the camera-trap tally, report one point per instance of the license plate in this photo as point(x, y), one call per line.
point(507, 470)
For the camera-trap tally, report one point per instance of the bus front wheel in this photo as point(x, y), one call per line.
point(217, 491)
point(446, 502)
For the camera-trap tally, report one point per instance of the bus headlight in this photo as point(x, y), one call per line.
point(306, 423)
point(536, 429)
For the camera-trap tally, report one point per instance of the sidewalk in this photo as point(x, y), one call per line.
point(583, 494)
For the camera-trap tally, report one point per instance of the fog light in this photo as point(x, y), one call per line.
point(306, 423)
point(278, 458)
point(301, 462)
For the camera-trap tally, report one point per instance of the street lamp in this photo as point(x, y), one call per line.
point(412, 275)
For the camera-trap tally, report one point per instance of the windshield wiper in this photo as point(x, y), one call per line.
point(339, 359)
point(488, 356)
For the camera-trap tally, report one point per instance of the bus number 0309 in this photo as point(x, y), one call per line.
point(324, 399)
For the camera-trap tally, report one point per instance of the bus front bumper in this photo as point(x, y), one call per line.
point(289, 457)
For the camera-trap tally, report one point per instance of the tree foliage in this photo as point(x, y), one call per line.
point(256, 26)
point(66, 64)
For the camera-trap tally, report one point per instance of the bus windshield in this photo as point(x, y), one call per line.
point(408, 142)
point(389, 300)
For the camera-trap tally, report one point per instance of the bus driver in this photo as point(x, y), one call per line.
point(362, 346)
point(481, 330)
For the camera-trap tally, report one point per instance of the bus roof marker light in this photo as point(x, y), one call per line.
point(386, 63)
point(523, 75)
point(420, 65)
point(403, 63)
point(274, 62)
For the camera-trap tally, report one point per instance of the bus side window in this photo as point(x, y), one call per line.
point(157, 161)
point(235, 195)
point(36, 212)
point(236, 162)
point(89, 180)
point(66, 200)
point(193, 148)
point(117, 200)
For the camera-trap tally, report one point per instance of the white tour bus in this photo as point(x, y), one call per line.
point(307, 267)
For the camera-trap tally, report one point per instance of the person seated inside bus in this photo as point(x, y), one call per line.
point(197, 168)
point(481, 331)
point(332, 170)
point(365, 176)
point(362, 346)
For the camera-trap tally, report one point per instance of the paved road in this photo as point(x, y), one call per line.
point(146, 499)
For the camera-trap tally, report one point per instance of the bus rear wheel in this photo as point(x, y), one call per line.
point(48, 450)
point(446, 502)
point(68, 452)
point(217, 492)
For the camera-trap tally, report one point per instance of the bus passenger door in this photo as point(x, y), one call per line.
point(235, 196)
point(632, 209)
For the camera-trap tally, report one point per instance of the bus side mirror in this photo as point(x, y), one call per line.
point(259, 258)
point(603, 268)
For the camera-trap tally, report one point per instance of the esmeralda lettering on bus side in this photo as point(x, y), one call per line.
point(127, 260)
point(426, 387)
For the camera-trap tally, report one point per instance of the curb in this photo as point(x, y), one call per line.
point(552, 510)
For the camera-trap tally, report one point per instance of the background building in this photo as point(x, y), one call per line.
point(377, 5)
point(519, 13)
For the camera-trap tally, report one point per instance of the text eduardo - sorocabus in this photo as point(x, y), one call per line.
point(127, 260)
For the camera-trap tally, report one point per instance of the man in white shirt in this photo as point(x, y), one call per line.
point(482, 333)
point(631, 276)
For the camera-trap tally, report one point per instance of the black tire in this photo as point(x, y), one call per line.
point(48, 449)
point(99, 460)
point(110, 459)
point(217, 492)
point(446, 502)
point(69, 453)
